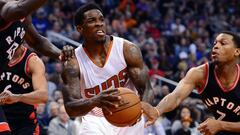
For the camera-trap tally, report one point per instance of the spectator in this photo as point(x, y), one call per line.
point(62, 124)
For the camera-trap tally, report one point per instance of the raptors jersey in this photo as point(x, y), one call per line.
point(11, 36)
point(16, 79)
point(94, 79)
point(222, 102)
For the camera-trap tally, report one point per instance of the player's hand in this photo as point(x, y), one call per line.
point(108, 99)
point(209, 127)
point(3, 97)
point(150, 112)
point(67, 53)
point(7, 97)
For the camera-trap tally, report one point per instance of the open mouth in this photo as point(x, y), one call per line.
point(100, 32)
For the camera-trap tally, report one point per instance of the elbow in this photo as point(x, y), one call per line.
point(44, 98)
point(70, 111)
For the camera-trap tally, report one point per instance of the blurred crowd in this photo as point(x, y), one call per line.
point(174, 35)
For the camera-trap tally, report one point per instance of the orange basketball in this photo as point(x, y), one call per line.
point(129, 110)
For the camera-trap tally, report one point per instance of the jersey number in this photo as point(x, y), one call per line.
point(222, 115)
point(12, 50)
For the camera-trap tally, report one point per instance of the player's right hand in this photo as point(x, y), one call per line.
point(150, 112)
point(67, 53)
point(108, 99)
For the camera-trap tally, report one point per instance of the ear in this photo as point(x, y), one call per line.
point(237, 52)
point(79, 29)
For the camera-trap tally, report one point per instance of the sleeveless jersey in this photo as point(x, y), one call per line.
point(223, 103)
point(16, 79)
point(11, 36)
point(94, 79)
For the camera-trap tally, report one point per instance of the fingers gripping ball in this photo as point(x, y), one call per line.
point(129, 110)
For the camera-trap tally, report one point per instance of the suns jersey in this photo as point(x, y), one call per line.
point(11, 36)
point(223, 103)
point(16, 79)
point(94, 79)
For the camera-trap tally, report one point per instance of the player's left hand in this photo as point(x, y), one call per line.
point(209, 127)
point(67, 53)
point(7, 97)
point(150, 112)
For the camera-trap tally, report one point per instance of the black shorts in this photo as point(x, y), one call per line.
point(4, 127)
point(27, 130)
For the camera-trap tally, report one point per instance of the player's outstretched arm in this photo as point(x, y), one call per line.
point(74, 103)
point(172, 100)
point(138, 71)
point(38, 42)
point(17, 9)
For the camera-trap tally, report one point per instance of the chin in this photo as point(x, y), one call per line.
point(101, 40)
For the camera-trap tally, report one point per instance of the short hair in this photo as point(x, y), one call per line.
point(236, 37)
point(79, 15)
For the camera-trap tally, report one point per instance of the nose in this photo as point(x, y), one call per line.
point(99, 23)
point(216, 46)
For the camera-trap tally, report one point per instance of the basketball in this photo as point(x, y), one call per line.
point(129, 110)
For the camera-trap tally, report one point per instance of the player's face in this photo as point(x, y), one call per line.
point(94, 27)
point(224, 48)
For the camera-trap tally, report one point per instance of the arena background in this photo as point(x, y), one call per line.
point(174, 35)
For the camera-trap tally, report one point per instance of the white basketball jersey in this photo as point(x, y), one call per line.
point(94, 79)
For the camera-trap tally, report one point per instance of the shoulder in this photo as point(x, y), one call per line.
point(197, 73)
point(130, 45)
point(34, 61)
point(34, 64)
point(132, 53)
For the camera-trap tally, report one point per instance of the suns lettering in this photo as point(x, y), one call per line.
point(115, 81)
point(123, 76)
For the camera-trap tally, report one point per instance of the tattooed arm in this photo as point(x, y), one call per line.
point(138, 71)
point(74, 103)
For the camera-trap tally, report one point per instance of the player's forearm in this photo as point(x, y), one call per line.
point(74, 104)
point(230, 126)
point(46, 48)
point(148, 93)
point(79, 107)
point(168, 103)
point(33, 98)
point(26, 7)
point(15, 10)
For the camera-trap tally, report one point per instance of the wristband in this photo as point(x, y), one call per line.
point(157, 111)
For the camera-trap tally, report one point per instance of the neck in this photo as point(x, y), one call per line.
point(94, 47)
point(226, 69)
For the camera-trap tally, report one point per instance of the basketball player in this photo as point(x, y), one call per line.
point(24, 85)
point(13, 29)
point(218, 85)
point(102, 64)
